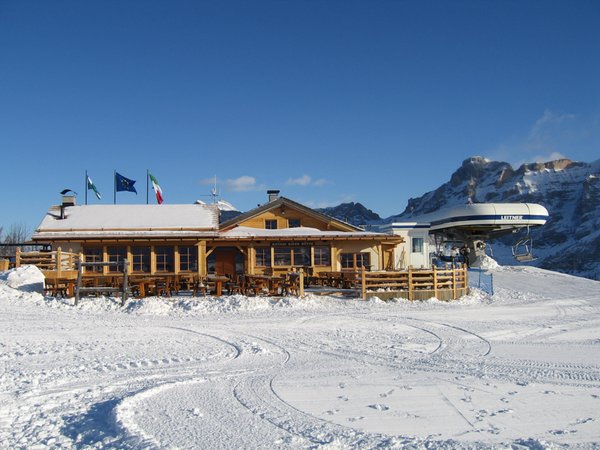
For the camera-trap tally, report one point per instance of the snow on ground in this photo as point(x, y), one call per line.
point(520, 368)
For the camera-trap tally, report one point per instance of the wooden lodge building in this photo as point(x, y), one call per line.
point(277, 237)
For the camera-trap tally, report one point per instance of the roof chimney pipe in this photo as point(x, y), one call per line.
point(273, 195)
point(67, 200)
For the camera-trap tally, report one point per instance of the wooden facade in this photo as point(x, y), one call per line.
point(278, 237)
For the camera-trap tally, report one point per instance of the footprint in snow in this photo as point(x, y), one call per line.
point(342, 385)
point(379, 407)
point(343, 398)
point(561, 432)
point(385, 394)
point(196, 412)
point(354, 419)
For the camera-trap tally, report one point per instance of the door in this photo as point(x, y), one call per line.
point(228, 261)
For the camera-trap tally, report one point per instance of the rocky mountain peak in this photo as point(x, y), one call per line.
point(354, 213)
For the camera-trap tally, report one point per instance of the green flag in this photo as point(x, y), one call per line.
point(92, 186)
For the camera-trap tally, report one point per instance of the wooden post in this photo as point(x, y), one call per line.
point(125, 273)
point(79, 270)
point(301, 283)
point(363, 282)
point(251, 259)
point(176, 262)
point(454, 283)
point(410, 283)
point(104, 259)
point(18, 257)
point(58, 261)
point(202, 259)
point(435, 282)
point(152, 260)
point(129, 257)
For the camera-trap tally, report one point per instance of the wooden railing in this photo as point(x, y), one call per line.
point(444, 284)
point(59, 269)
point(57, 262)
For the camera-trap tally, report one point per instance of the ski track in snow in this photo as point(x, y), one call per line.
point(521, 368)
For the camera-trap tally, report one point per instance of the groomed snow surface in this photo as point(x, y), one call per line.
point(518, 369)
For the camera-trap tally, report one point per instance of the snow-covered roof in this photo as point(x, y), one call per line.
point(128, 220)
point(307, 232)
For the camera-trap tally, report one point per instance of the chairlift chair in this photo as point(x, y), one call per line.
point(522, 249)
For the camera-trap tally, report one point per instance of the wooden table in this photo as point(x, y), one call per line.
point(218, 280)
point(259, 283)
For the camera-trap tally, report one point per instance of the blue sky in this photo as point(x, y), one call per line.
point(328, 101)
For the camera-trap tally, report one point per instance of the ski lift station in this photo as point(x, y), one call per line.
point(470, 225)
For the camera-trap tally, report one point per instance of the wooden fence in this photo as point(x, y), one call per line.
point(416, 284)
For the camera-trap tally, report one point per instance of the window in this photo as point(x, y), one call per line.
point(293, 223)
point(188, 259)
point(355, 260)
point(271, 224)
point(141, 259)
point(417, 245)
point(301, 256)
point(322, 256)
point(292, 256)
point(283, 256)
point(263, 257)
point(347, 260)
point(116, 255)
point(93, 255)
point(164, 259)
point(363, 260)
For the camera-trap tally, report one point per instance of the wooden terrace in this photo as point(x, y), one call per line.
point(65, 275)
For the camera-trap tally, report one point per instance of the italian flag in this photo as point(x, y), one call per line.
point(157, 189)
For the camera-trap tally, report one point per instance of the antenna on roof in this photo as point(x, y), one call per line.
point(214, 193)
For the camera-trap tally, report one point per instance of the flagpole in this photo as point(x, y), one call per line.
point(86, 187)
point(115, 186)
point(147, 176)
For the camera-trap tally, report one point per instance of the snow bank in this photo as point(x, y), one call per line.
point(24, 278)
point(486, 262)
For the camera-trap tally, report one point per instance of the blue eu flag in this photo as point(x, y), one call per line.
point(124, 184)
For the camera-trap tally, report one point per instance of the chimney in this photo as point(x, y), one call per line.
point(273, 195)
point(67, 200)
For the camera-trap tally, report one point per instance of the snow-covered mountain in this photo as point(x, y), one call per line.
point(570, 240)
point(354, 213)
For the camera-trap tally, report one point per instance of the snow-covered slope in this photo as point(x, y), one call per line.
point(520, 369)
